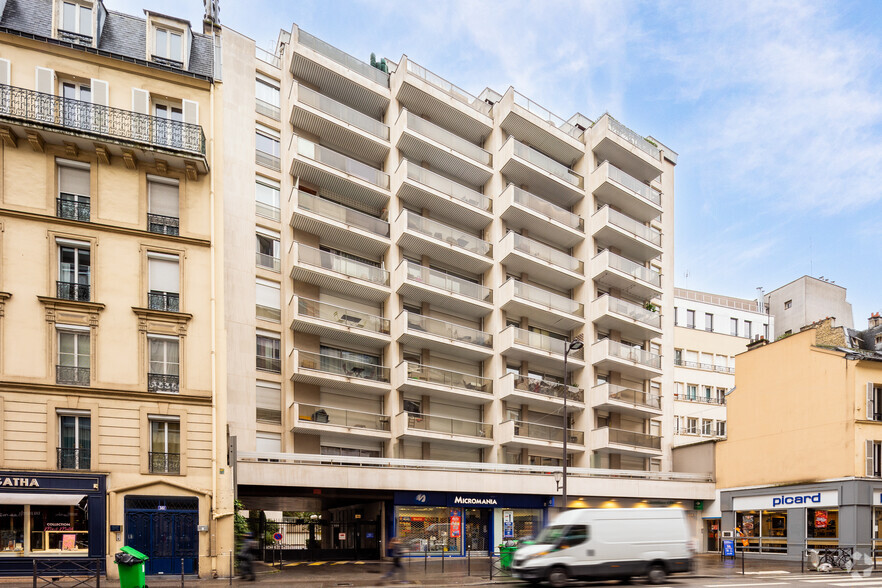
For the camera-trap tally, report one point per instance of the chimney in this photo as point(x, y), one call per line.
point(875, 320)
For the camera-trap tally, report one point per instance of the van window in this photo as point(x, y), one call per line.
point(550, 535)
point(573, 536)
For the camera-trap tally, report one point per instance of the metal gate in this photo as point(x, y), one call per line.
point(164, 529)
point(320, 540)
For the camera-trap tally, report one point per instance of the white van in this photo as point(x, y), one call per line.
point(600, 544)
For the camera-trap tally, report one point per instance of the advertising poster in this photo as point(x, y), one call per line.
point(455, 524)
point(820, 519)
point(68, 542)
point(747, 524)
point(508, 524)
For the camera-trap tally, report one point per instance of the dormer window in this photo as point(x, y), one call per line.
point(168, 47)
point(75, 25)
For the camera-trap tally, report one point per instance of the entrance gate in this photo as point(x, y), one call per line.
point(321, 540)
point(164, 529)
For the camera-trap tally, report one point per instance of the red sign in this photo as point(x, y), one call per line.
point(455, 525)
point(820, 519)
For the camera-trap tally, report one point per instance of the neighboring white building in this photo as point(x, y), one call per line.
point(710, 331)
point(805, 301)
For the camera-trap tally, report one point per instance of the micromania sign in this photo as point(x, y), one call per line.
point(822, 499)
point(480, 501)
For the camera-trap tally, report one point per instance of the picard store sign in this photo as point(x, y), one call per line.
point(782, 501)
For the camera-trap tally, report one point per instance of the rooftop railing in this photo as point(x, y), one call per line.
point(546, 163)
point(342, 163)
point(343, 265)
point(546, 115)
point(343, 58)
point(634, 139)
point(267, 57)
point(344, 316)
point(349, 216)
point(448, 378)
point(546, 208)
point(447, 234)
point(342, 112)
point(461, 333)
point(448, 282)
point(446, 138)
point(446, 186)
point(448, 88)
point(548, 299)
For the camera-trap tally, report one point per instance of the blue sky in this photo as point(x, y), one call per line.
point(775, 108)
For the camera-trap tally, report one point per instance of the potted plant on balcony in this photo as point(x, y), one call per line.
point(650, 307)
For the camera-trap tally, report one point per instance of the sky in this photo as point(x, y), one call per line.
point(774, 107)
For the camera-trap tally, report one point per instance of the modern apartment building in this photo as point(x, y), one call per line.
point(710, 330)
point(806, 300)
point(108, 412)
point(423, 258)
point(802, 464)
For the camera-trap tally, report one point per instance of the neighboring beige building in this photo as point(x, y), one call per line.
point(806, 300)
point(109, 389)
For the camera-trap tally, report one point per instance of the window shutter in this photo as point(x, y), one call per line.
point(269, 402)
point(164, 199)
point(870, 446)
point(191, 112)
point(45, 80)
point(268, 295)
point(99, 92)
point(5, 72)
point(165, 275)
point(871, 404)
point(140, 101)
point(73, 181)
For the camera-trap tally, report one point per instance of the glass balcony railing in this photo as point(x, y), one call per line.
point(342, 112)
point(343, 417)
point(634, 139)
point(547, 254)
point(628, 224)
point(551, 166)
point(547, 209)
point(633, 438)
point(635, 354)
point(446, 138)
point(546, 115)
point(547, 432)
point(349, 216)
point(634, 269)
point(433, 326)
point(543, 342)
point(631, 396)
point(634, 311)
point(267, 57)
point(341, 265)
point(547, 388)
point(447, 234)
point(342, 367)
point(438, 424)
point(268, 211)
point(448, 187)
point(448, 282)
point(547, 299)
point(343, 58)
point(344, 316)
point(269, 262)
point(448, 378)
point(448, 88)
point(342, 163)
point(266, 109)
point(633, 184)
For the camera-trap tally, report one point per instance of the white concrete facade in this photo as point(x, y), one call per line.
point(806, 300)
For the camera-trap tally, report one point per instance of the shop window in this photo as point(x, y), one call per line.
point(430, 529)
point(822, 527)
point(58, 528)
point(12, 519)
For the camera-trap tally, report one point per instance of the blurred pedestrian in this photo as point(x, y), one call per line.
point(395, 550)
point(246, 557)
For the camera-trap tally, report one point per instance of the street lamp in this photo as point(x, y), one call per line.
point(574, 345)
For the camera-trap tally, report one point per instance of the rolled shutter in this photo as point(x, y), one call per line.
point(73, 180)
point(165, 275)
point(269, 402)
point(870, 457)
point(268, 294)
point(163, 199)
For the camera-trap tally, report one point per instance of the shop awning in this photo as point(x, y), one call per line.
point(40, 499)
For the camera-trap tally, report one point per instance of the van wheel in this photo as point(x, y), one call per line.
point(656, 574)
point(558, 577)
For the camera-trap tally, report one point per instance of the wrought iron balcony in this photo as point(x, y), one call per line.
point(72, 375)
point(168, 383)
point(168, 301)
point(165, 463)
point(72, 291)
point(73, 458)
point(73, 207)
point(163, 225)
point(77, 116)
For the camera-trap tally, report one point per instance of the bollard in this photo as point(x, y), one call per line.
point(425, 560)
point(742, 560)
point(469, 562)
point(491, 563)
point(182, 572)
point(231, 567)
point(443, 553)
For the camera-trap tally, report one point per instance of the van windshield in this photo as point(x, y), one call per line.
point(550, 535)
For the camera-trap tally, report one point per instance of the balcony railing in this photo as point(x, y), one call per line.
point(438, 424)
point(547, 432)
point(342, 163)
point(72, 375)
point(343, 58)
point(104, 121)
point(548, 388)
point(267, 109)
point(705, 366)
point(545, 208)
point(448, 187)
point(547, 299)
point(702, 399)
point(72, 458)
point(342, 265)
point(448, 378)
point(344, 316)
point(344, 214)
point(342, 112)
point(546, 115)
point(634, 139)
point(633, 438)
point(634, 397)
point(76, 38)
point(73, 207)
point(544, 343)
point(167, 301)
point(448, 282)
point(267, 160)
point(547, 254)
point(268, 261)
point(628, 224)
point(165, 463)
point(548, 164)
point(634, 269)
point(269, 364)
point(268, 313)
point(634, 311)
point(169, 383)
point(268, 211)
point(633, 184)
point(72, 291)
point(447, 234)
point(343, 367)
point(343, 417)
point(446, 138)
point(433, 326)
point(163, 225)
point(454, 92)
point(622, 351)
point(267, 57)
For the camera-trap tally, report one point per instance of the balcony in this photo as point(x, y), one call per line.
point(342, 374)
point(540, 262)
point(164, 301)
point(624, 400)
point(269, 262)
point(430, 333)
point(542, 306)
point(424, 93)
point(611, 140)
point(163, 225)
point(267, 211)
point(72, 376)
point(267, 57)
point(267, 363)
point(519, 434)
point(335, 223)
point(617, 272)
point(163, 383)
point(608, 440)
point(73, 207)
point(635, 240)
point(340, 173)
point(426, 189)
point(339, 75)
point(541, 351)
point(540, 395)
point(523, 210)
point(64, 120)
point(716, 400)
point(164, 463)
point(72, 291)
point(529, 122)
point(71, 458)
point(339, 124)
point(443, 243)
point(444, 384)
point(421, 140)
point(331, 422)
point(613, 356)
point(339, 323)
point(443, 290)
point(634, 198)
point(524, 166)
point(267, 160)
point(707, 366)
point(272, 314)
point(268, 110)
point(340, 274)
point(632, 320)
point(427, 427)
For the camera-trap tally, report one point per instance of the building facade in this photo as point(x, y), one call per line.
point(806, 300)
point(108, 412)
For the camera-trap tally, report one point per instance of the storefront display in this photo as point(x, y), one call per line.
point(822, 528)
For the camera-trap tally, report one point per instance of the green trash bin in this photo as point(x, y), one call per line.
point(506, 554)
point(130, 563)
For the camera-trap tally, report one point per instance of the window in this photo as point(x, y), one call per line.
point(708, 393)
point(692, 426)
point(73, 356)
point(676, 316)
point(76, 23)
point(350, 451)
point(733, 326)
point(706, 426)
point(721, 428)
point(168, 46)
point(165, 279)
point(874, 458)
point(267, 197)
point(74, 441)
point(164, 369)
point(748, 329)
point(708, 321)
point(76, 108)
point(691, 392)
point(269, 354)
point(74, 271)
point(268, 250)
point(167, 128)
point(165, 445)
point(269, 402)
point(765, 331)
point(267, 94)
point(267, 145)
point(575, 535)
point(73, 200)
point(788, 304)
point(351, 363)
point(874, 402)
point(678, 357)
point(267, 298)
point(721, 396)
point(690, 319)
point(162, 206)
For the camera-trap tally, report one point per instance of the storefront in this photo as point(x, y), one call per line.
point(452, 524)
point(49, 515)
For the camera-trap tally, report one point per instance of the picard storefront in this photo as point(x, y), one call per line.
point(49, 515)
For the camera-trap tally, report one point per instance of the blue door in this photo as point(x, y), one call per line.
point(164, 529)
